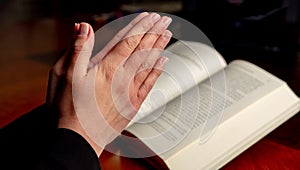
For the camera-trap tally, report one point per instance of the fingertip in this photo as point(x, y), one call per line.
point(81, 50)
point(154, 17)
point(91, 30)
point(162, 62)
point(167, 34)
point(144, 14)
point(84, 29)
point(76, 29)
point(76, 26)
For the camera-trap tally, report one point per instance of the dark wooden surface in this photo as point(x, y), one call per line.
point(29, 45)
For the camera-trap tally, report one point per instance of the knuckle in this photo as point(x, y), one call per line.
point(81, 49)
point(138, 80)
point(119, 51)
point(53, 71)
point(123, 48)
point(145, 26)
point(160, 45)
point(141, 47)
point(131, 42)
point(69, 76)
point(57, 69)
point(78, 46)
point(155, 74)
point(146, 66)
point(142, 93)
point(109, 71)
point(155, 32)
point(81, 45)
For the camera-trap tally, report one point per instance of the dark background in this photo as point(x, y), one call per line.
point(255, 30)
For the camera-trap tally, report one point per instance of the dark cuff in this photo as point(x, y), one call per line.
point(70, 151)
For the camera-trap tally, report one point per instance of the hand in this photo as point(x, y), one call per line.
point(97, 98)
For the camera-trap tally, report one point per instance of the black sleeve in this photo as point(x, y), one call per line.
point(33, 141)
point(69, 151)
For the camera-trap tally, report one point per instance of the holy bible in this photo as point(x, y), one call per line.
point(203, 112)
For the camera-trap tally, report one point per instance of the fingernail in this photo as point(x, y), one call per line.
point(84, 29)
point(155, 17)
point(166, 21)
point(163, 61)
point(167, 34)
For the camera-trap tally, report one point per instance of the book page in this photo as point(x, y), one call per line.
point(241, 127)
point(191, 120)
point(189, 63)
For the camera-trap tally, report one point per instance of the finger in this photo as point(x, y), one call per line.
point(76, 29)
point(123, 49)
point(156, 31)
point(141, 65)
point(163, 40)
point(147, 85)
point(51, 89)
point(118, 37)
point(147, 65)
point(146, 46)
point(81, 51)
point(55, 75)
point(59, 67)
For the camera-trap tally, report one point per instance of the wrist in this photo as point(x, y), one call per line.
point(73, 124)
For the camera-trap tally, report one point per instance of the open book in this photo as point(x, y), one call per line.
point(203, 112)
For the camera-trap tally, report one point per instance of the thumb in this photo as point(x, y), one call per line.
point(81, 51)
